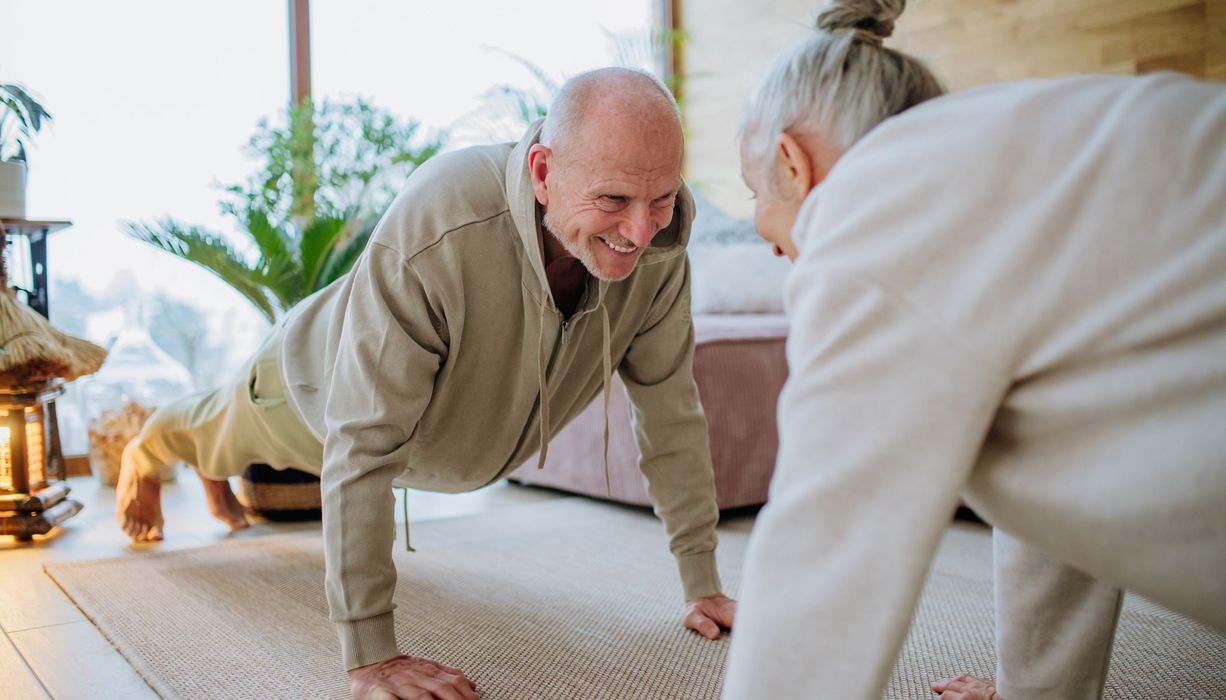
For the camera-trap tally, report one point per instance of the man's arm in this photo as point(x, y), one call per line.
point(880, 423)
point(671, 433)
point(382, 381)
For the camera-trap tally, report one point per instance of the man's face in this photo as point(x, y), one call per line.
point(773, 216)
point(606, 201)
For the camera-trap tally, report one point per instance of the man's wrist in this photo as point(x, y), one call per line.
point(699, 576)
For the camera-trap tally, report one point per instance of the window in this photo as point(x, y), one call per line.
point(150, 103)
point(399, 55)
point(153, 103)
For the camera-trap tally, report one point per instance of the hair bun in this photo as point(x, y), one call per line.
point(874, 17)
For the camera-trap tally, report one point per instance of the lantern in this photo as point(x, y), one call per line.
point(33, 493)
point(36, 359)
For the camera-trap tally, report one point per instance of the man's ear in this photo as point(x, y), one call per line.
point(538, 169)
point(794, 168)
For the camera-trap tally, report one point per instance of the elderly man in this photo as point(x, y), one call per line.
point(497, 295)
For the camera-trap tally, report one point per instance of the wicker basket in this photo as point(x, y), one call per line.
point(280, 494)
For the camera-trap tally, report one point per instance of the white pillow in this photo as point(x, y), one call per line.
point(713, 227)
point(738, 278)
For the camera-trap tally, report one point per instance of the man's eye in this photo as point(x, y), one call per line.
point(614, 198)
point(665, 201)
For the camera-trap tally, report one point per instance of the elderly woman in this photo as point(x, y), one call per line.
point(1014, 295)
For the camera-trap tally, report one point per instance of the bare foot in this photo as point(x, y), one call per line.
point(965, 687)
point(223, 504)
point(138, 501)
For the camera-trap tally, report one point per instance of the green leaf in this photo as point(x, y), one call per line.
point(30, 114)
point(317, 243)
point(17, 105)
point(210, 251)
point(277, 262)
point(343, 257)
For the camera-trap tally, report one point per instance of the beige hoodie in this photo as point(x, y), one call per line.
point(425, 365)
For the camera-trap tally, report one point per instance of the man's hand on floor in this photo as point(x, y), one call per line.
point(410, 678)
point(707, 615)
point(965, 687)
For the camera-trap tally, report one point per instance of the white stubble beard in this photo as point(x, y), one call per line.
point(585, 255)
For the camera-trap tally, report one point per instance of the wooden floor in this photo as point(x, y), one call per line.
point(49, 649)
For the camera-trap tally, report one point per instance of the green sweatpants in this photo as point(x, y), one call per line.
point(220, 432)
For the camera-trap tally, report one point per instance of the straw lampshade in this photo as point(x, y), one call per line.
point(32, 351)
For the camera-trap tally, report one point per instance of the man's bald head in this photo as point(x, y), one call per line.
point(611, 102)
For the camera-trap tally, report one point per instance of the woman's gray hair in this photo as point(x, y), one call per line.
point(840, 83)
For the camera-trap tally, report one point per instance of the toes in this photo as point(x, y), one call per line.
point(141, 529)
point(232, 517)
point(129, 525)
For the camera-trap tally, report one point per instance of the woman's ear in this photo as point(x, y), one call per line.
point(794, 168)
point(805, 162)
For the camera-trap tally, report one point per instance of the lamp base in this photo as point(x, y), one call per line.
point(36, 502)
point(24, 526)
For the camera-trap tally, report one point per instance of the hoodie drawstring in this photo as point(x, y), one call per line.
point(608, 372)
point(404, 499)
point(606, 361)
point(541, 386)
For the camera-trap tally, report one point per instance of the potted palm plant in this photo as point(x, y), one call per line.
point(327, 174)
point(21, 116)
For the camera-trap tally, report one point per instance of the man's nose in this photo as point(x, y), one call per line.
point(638, 227)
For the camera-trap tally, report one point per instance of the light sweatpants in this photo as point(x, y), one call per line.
point(1055, 625)
point(220, 432)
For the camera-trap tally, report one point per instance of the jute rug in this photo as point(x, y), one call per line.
point(570, 599)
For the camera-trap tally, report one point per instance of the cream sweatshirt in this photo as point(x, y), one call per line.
point(1017, 293)
point(426, 364)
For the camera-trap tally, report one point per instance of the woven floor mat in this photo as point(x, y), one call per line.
point(570, 599)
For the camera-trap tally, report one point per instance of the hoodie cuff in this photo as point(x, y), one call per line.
point(368, 641)
point(699, 576)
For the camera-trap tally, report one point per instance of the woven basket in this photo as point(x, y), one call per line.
point(280, 494)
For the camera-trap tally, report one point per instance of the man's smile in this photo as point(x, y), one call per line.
point(622, 247)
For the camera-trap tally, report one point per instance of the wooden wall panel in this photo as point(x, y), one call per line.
point(967, 43)
point(971, 42)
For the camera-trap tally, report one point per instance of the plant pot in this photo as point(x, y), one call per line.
point(12, 189)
